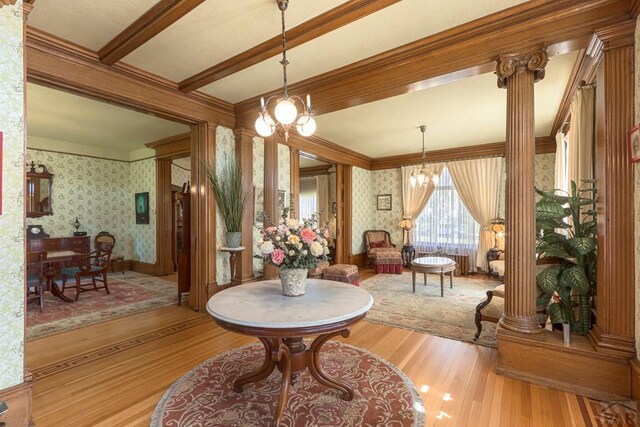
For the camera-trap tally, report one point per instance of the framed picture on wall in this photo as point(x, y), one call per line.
point(142, 208)
point(384, 202)
point(634, 143)
point(282, 199)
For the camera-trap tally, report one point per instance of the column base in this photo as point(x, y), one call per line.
point(523, 325)
point(612, 344)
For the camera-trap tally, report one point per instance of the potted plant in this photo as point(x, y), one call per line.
point(231, 198)
point(295, 247)
point(567, 231)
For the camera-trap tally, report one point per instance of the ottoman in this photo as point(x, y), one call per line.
point(342, 273)
point(316, 273)
point(387, 262)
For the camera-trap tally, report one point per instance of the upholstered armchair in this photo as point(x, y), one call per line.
point(382, 253)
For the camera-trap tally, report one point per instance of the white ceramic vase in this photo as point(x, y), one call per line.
point(294, 281)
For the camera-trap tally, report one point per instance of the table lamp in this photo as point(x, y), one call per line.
point(497, 227)
point(406, 224)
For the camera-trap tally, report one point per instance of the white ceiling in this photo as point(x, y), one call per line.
point(394, 26)
point(58, 115)
point(89, 23)
point(467, 112)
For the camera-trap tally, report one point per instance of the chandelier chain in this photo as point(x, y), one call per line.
point(284, 61)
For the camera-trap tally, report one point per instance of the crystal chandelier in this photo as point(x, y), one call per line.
point(285, 111)
point(425, 175)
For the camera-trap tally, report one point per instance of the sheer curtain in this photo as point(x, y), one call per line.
point(322, 186)
point(477, 182)
point(445, 223)
point(415, 198)
point(308, 197)
point(580, 146)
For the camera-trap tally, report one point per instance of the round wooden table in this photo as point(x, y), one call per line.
point(437, 265)
point(259, 309)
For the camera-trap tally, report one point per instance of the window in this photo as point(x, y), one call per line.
point(445, 222)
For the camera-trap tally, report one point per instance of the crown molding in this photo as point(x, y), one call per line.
point(468, 49)
point(61, 64)
point(324, 23)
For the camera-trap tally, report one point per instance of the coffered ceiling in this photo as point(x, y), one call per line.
point(182, 41)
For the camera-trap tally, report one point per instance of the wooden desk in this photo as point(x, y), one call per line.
point(259, 309)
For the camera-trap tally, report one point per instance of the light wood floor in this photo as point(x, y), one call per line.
point(113, 373)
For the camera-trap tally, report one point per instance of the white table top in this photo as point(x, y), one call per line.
point(433, 261)
point(261, 304)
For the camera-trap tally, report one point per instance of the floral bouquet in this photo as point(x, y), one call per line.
point(294, 244)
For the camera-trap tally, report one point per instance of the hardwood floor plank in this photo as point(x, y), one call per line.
point(130, 362)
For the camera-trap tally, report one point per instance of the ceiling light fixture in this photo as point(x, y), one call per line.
point(285, 111)
point(425, 175)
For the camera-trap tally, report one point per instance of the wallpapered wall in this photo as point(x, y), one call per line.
point(12, 218)
point(284, 172)
point(179, 175)
point(258, 185)
point(100, 193)
point(225, 152)
point(368, 184)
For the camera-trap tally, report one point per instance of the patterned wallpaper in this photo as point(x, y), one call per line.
point(93, 190)
point(12, 217)
point(179, 175)
point(143, 236)
point(225, 151)
point(388, 181)
point(362, 208)
point(258, 183)
point(636, 198)
point(284, 171)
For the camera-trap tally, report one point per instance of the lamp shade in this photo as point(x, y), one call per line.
point(286, 111)
point(407, 224)
point(496, 225)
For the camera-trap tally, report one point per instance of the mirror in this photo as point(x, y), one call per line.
point(39, 185)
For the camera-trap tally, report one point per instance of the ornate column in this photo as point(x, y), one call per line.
point(613, 331)
point(518, 74)
point(244, 160)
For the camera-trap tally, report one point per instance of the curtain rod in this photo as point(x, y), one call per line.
point(456, 159)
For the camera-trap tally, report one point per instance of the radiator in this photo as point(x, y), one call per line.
point(464, 265)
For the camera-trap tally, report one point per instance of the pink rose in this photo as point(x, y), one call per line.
point(277, 257)
point(270, 229)
point(307, 235)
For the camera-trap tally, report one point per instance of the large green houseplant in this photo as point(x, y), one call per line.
point(231, 198)
point(567, 232)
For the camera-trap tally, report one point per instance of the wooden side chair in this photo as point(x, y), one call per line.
point(106, 237)
point(92, 266)
point(36, 281)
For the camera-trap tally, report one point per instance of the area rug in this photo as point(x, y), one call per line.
point(130, 293)
point(384, 396)
point(451, 316)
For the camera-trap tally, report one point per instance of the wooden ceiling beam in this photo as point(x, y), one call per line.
point(63, 65)
point(563, 25)
point(335, 18)
point(544, 145)
point(328, 151)
point(153, 22)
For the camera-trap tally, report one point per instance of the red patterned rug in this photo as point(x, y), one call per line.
point(130, 293)
point(384, 396)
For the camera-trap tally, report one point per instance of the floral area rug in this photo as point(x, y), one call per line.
point(384, 396)
point(130, 293)
point(451, 316)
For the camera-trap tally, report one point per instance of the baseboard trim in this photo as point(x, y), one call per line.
point(359, 260)
point(543, 359)
point(142, 267)
point(19, 400)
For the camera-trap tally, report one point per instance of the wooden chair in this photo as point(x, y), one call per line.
point(36, 281)
point(106, 237)
point(94, 266)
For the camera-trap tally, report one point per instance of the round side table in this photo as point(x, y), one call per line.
point(437, 265)
point(259, 309)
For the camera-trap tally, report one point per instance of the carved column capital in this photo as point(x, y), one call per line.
point(508, 65)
